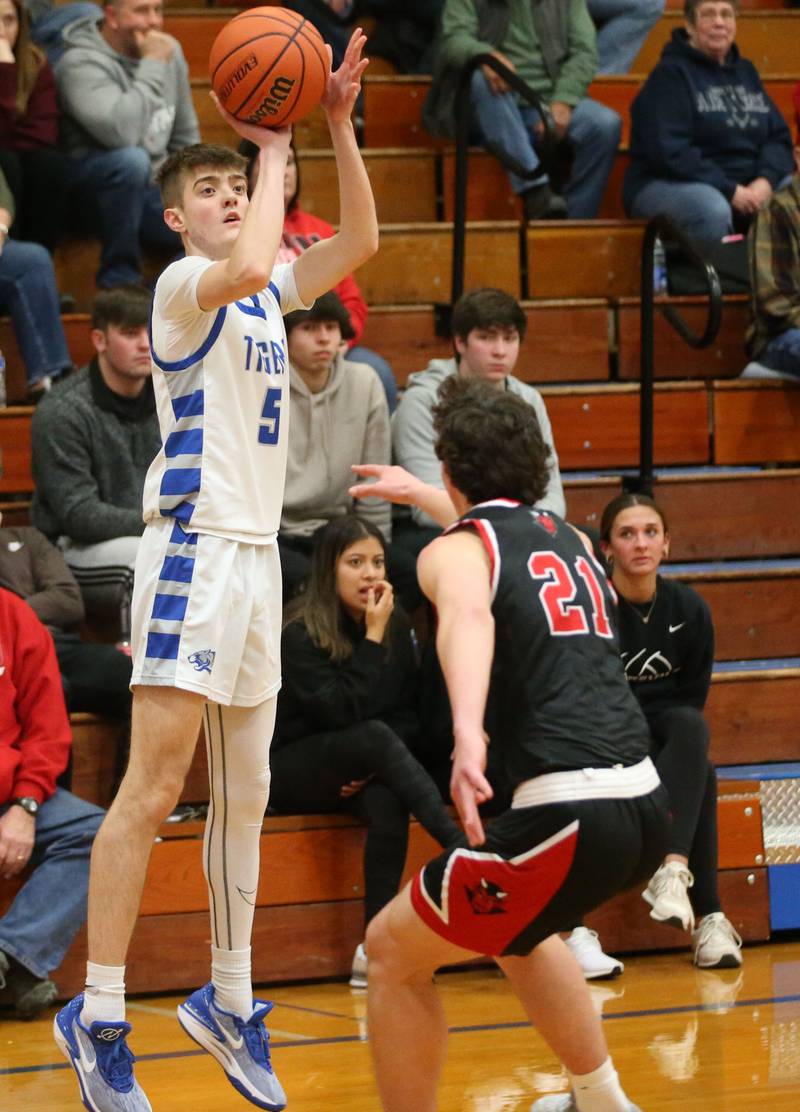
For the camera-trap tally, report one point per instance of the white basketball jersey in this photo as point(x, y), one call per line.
point(222, 391)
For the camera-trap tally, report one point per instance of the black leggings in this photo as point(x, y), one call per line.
point(307, 776)
point(680, 752)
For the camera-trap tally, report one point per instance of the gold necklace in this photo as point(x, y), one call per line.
point(644, 617)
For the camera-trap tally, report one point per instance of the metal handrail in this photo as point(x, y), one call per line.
point(663, 228)
point(463, 124)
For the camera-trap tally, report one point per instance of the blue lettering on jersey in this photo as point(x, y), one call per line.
point(264, 355)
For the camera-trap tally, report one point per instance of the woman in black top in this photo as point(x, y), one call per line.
point(667, 647)
point(346, 711)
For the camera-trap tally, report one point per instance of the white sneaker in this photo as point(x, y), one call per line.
point(587, 951)
point(715, 943)
point(358, 972)
point(667, 894)
point(758, 370)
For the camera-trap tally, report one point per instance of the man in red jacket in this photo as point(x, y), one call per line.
point(41, 825)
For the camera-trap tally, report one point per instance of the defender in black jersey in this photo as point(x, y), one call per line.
point(521, 600)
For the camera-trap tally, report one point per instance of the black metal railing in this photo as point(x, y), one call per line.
point(462, 141)
point(661, 227)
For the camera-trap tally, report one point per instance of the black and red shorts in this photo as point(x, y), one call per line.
point(540, 870)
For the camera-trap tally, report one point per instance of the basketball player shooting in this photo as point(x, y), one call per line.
point(522, 604)
point(207, 596)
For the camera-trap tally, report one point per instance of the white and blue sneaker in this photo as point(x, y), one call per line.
point(241, 1046)
point(562, 1102)
point(101, 1059)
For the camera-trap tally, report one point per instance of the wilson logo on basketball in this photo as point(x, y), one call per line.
point(269, 106)
point(238, 75)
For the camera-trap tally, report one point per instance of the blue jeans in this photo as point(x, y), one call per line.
point(50, 909)
point(699, 209)
point(782, 353)
point(622, 27)
point(383, 370)
point(29, 295)
point(594, 130)
point(119, 199)
point(49, 30)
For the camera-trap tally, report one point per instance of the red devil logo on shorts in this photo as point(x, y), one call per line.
point(486, 898)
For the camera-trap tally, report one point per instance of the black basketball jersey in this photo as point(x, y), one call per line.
point(559, 697)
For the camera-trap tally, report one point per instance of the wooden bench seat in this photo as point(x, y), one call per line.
point(755, 611)
point(767, 38)
point(673, 358)
point(414, 261)
point(756, 422)
point(700, 510)
point(601, 424)
point(76, 329)
point(584, 258)
point(753, 715)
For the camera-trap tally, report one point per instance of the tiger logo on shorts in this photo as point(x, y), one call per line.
point(203, 660)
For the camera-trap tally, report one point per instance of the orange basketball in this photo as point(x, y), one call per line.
point(268, 66)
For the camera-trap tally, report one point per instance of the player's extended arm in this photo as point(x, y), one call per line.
point(397, 485)
point(249, 265)
point(454, 573)
point(325, 263)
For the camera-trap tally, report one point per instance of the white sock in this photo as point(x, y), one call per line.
point(600, 1090)
point(104, 995)
point(232, 978)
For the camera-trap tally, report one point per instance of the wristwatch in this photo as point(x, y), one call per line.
point(27, 803)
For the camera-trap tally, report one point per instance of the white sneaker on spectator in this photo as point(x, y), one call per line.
point(587, 951)
point(358, 972)
point(758, 370)
point(716, 944)
point(668, 895)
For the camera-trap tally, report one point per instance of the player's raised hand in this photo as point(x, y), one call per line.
point(278, 137)
point(344, 84)
point(468, 784)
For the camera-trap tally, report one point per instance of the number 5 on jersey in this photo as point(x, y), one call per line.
point(566, 617)
point(270, 421)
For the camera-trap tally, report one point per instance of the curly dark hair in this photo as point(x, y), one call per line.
point(490, 442)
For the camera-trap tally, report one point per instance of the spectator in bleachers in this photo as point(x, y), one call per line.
point(34, 168)
point(339, 417)
point(346, 711)
point(41, 825)
point(488, 326)
point(552, 46)
point(667, 645)
point(773, 335)
point(124, 89)
point(93, 440)
point(405, 32)
point(708, 146)
point(29, 295)
point(96, 676)
point(300, 230)
point(622, 27)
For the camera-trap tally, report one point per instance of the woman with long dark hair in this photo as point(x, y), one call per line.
point(667, 646)
point(34, 168)
point(346, 711)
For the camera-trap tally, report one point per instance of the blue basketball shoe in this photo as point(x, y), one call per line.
point(241, 1046)
point(101, 1059)
point(562, 1102)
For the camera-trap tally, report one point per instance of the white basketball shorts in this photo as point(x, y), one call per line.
point(206, 615)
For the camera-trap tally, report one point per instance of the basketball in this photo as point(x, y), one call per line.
point(268, 66)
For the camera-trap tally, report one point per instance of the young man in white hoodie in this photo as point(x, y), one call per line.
point(339, 417)
point(488, 328)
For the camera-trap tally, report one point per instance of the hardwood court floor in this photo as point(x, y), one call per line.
point(682, 1040)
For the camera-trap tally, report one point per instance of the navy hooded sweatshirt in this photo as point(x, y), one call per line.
point(698, 121)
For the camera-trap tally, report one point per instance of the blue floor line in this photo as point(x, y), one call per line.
point(477, 1028)
point(779, 770)
point(663, 472)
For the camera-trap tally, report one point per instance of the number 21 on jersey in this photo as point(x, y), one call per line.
point(557, 594)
